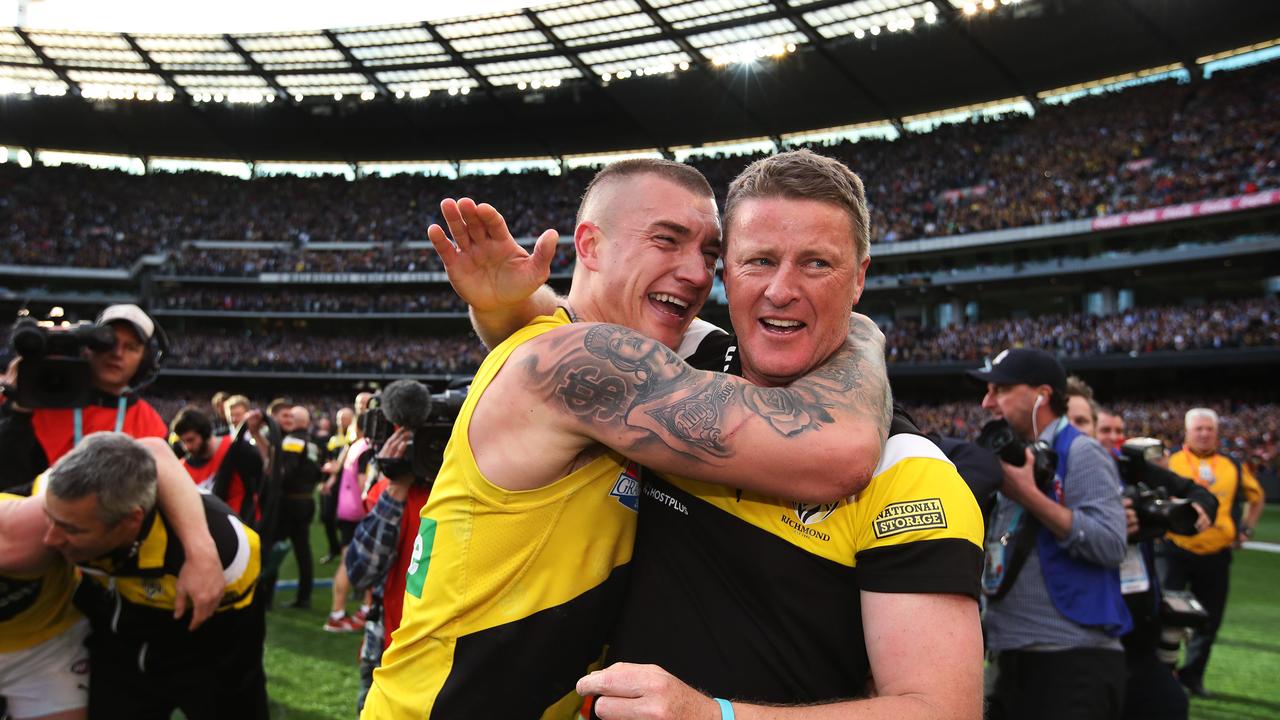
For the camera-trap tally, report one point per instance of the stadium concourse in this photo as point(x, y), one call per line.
point(1119, 211)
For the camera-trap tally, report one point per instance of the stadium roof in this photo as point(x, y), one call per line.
point(583, 76)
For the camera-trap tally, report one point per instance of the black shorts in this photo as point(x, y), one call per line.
point(346, 531)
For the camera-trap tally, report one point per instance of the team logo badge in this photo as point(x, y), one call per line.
point(151, 588)
point(814, 513)
point(627, 488)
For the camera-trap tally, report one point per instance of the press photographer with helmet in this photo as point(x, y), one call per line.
point(66, 383)
point(1054, 611)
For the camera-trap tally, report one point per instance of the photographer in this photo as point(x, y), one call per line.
point(1152, 691)
point(33, 437)
point(1054, 611)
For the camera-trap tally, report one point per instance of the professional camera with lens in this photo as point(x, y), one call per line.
point(998, 437)
point(408, 403)
point(54, 372)
point(1157, 512)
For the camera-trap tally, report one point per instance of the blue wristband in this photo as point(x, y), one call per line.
point(726, 709)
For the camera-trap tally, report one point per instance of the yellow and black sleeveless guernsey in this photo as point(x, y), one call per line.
point(35, 607)
point(145, 574)
point(754, 598)
point(510, 595)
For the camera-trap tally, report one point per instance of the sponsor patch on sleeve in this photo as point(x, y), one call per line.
point(901, 517)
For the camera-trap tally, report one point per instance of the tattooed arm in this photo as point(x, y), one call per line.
point(817, 440)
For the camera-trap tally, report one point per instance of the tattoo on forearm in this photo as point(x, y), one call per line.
point(697, 419)
point(616, 376)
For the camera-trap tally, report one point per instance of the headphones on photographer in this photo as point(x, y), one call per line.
point(157, 347)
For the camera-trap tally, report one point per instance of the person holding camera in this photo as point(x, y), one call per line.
point(33, 437)
point(1203, 562)
point(1156, 502)
point(1054, 611)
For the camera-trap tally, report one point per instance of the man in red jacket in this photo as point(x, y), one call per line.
point(34, 439)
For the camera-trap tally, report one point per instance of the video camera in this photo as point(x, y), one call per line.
point(54, 371)
point(408, 403)
point(1157, 512)
point(998, 437)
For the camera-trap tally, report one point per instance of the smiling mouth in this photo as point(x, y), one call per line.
point(781, 327)
point(669, 304)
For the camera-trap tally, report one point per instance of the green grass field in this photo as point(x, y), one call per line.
point(312, 674)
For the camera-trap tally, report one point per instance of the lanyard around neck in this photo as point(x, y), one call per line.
point(121, 408)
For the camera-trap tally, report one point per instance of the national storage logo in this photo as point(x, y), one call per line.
point(898, 518)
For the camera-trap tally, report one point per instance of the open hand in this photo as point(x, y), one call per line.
point(486, 266)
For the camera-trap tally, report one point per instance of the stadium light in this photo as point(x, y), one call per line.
point(875, 29)
point(466, 90)
point(859, 33)
point(970, 8)
point(988, 5)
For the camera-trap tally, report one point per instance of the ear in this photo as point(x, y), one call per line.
point(861, 283)
point(587, 239)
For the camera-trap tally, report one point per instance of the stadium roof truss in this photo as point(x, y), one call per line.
point(596, 41)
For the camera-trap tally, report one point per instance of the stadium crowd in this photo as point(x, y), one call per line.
point(1216, 325)
point(1150, 146)
point(296, 351)
point(312, 302)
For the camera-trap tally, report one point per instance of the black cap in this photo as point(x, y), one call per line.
point(1023, 366)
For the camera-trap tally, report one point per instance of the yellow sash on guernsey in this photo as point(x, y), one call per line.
point(496, 574)
point(37, 607)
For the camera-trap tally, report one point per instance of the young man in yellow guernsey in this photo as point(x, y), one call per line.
point(865, 607)
point(520, 562)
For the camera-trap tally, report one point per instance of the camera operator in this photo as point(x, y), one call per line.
point(1203, 562)
point(386, 541)
point(33, 438)
point(1054, 611)
point(1156, 501)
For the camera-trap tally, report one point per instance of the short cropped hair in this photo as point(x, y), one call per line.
point(115, 466)
point(686, 176)
point(192, 419)
point(235, 400)
point(1200, 412)
point(804, 175)
point(277, 405)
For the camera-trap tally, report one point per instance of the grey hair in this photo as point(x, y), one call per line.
point(1194, 413)
point(115, 466)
